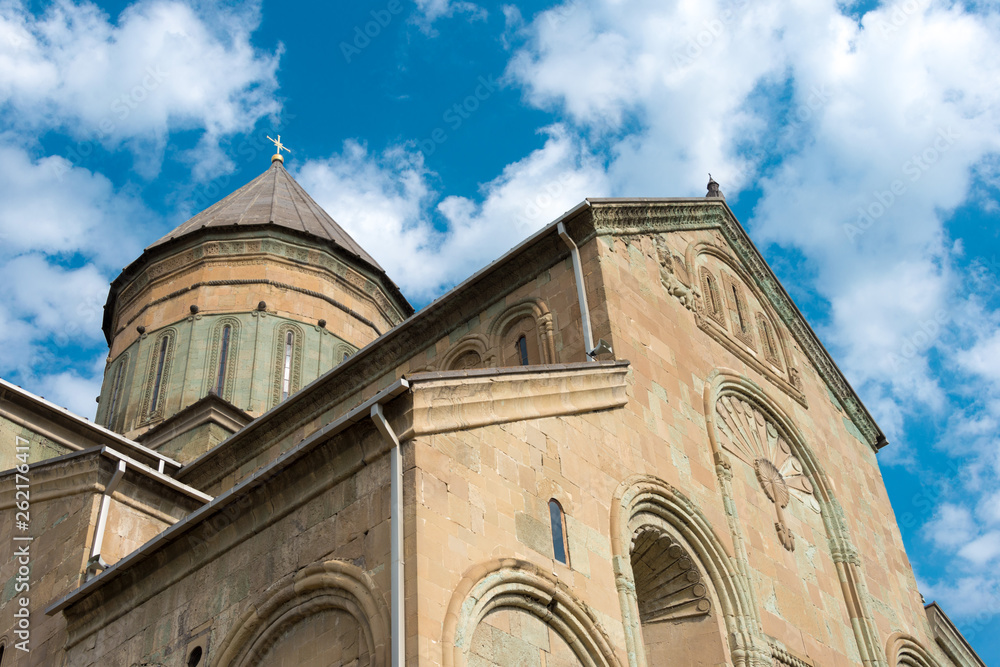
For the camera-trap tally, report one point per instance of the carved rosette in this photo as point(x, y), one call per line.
point(750, 436)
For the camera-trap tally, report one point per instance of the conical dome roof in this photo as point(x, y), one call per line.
point(272, 198)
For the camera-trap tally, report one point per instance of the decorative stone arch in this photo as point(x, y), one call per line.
point(212, 376)
point(723, 383)
point(151, 413)
point(517, 584)
point(644, 500)
point(295, 380)
point(696, 250)
point(904, 650)
point(333, 585)
point(340, 350)
point(472, 344)
point(529, 308)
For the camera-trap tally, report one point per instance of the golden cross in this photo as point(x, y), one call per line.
point(279, 146)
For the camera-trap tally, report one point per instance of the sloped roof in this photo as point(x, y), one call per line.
point(272, 198)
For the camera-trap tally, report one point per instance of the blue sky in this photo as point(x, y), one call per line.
point(859, 143)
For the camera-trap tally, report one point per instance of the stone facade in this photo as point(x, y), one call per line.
point(706, 494)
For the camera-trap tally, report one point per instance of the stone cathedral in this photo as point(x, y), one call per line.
point(618, 445)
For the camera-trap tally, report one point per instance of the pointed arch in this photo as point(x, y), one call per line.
point(725, 382)
point(644, 500)
point(333, 585)
point(503, 325)
point(511, 583)
point(904, 650)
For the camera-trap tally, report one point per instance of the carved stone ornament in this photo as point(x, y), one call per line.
point(670, 586)
point(686, 295)
point(751, 437)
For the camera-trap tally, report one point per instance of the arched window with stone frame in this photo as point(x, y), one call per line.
point(117, 389)
point(222, 364)
point(287, 361)
point(768, 340)
point(738, 310)
point(532, 320)
point(713, 297)
point(158, 375)
point(560, 543)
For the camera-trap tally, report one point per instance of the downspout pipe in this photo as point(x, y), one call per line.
point(581, 291)
point(398, 629)
point(96, 563)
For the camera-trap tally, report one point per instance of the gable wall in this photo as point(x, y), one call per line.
point(799, 592)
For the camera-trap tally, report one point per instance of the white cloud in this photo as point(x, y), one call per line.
point(160, 67)
point(952, 526)
point(65, 232)
point(427, 244)
point(430, 11)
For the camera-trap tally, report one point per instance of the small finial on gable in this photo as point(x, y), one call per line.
point(713, 188)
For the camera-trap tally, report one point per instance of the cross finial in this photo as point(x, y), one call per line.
point(278, 147)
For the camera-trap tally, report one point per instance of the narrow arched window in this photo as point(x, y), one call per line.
point(116, 387)
point(713, 300)
point(768, 340)
point(286, 373)
point(557, 518)
point(220, 382)
point(522, 350)
point(161, 360)
point(739, 308)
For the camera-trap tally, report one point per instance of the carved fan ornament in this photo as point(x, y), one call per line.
point(746, 433)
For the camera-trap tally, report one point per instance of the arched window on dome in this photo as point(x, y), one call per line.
point(116, 391)
point(558, 520)
point(221, 376)
point(158, 377)
point(286, 372)
point(287, 362)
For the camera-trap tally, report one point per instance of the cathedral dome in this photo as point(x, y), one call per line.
point(248, 300)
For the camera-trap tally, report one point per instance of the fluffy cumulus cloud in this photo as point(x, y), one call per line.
point(122, 84)
point(160, 67)
point(860, 135)
point(56, 259)
point(441, 240)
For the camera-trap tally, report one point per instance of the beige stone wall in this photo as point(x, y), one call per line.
point(800, 596)
point(63, 512)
